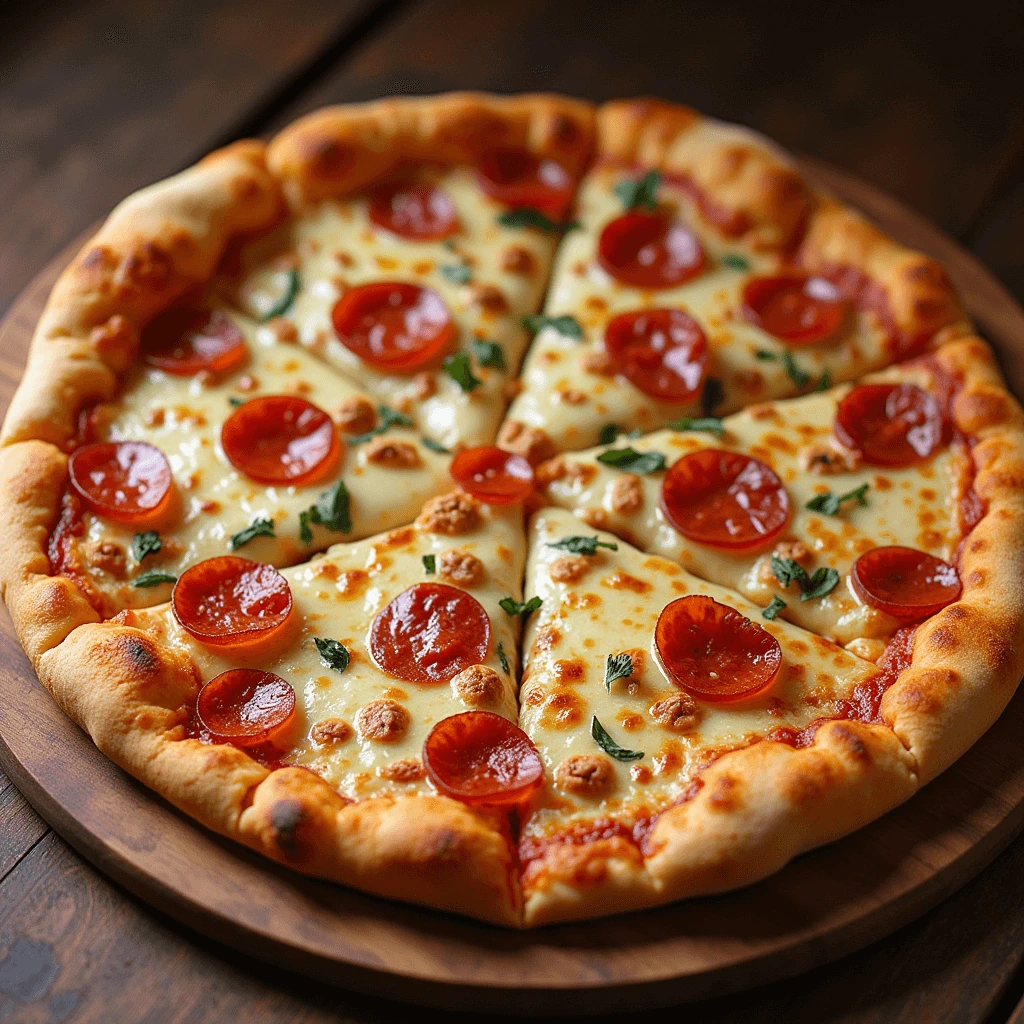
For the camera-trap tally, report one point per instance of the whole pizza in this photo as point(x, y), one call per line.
point(524, 508)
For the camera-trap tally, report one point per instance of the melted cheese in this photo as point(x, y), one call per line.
point(337, 247)
point(337, 595)
point(614, 608)
point(571, 403)
point(182, 416)
point(915, 506)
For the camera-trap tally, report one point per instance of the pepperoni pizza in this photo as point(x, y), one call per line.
point(270, 538)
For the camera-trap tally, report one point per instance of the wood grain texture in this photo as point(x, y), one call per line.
point(20, 827)
point(820, 907)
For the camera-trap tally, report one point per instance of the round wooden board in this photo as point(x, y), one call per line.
point(823, 905)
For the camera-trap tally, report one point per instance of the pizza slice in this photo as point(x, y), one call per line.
point(689, 745)
point(843, 511)
point(413, 255)
point(707, 275)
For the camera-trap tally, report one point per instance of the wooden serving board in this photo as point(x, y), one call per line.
point(823, 905)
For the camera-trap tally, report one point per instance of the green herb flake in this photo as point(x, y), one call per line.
point(386, 419)
point(618, 666)
point(642, 192)
point(829, 503)
point(488, 353)
point(147, 543)
point(773, 609)
point(259, 528)
point(430, 444)
point(284, 303)
point(609, 432)
point(235, 401)
point(712, 424)
point(513, 607)
point(429, 564)
point(822, 582)
point(582, 545)
point(153, 578)
point(825, 383)
point(568, 326)
point(503, 659)
point(765, 356)
point(305, 532)
point(609, 746)
point(330, 511)
point(712, 395)
point(527, 217)
point(459, 368)
point(332, 654)
point(457, 273)
point(629, 460)
point(786, 571)
point(798, 376)
point(734, 261)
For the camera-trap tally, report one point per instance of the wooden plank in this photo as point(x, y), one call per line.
point(20, 826)
point(873, 92)
point(103, 99)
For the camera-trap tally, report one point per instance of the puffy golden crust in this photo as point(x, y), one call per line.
point(749, 188)
point(153, 248)
point(339, 150)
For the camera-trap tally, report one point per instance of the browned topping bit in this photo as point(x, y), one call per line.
point(598, 362)
point(422, 386)
point(331, 730)
point(627, 494)
point(828, 458)
point(355, 415)
point(479, 686)
point(384, 721)
point(450, 514)
point(571, 397)
point(678, 712)
point(569, 568)
point(393, 454)
point(585, 775)
point(406, 769)
point(489, 298)
point(107, 556)
point(516, 260)
point(456, 566)
point(595, 517)
point(284, 330)
point(530, 442)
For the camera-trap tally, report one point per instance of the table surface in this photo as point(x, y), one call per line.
point(99, 97)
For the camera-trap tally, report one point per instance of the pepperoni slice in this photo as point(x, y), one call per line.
point(649, 250)
point(246, 707)
point(231, 602)
point(281, 439)
point(479, 757)
point(800, 310)
point(430, 633)
point(519, 178)
point(493, 475)
point(724, 499)
point(424, 213)
point(890, 424)
point(127, 481)
point(904, 582)
point(186, 341)
point(663, 352)
point(395, 327)
point(715, 653)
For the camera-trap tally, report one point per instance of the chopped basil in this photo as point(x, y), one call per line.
point(712, 395)
point(259, 528)
point(609, 432)
point(825, 383)
point(153, 578)
point(488, 353)
point(765, 356)
point(433, 446)
point(332, 654)
point(629, 460)
point(609, 746)
point(618, 666)
point(147, 543)
point(449, 245)
point(734, 261)
point(429, 564)
point(503, 659)
point(457, 273)
point(459, 368)
point(284, 303)
point(773, 609)
point(712, 424)
point(513, 607)
point(235, 401)
point(386, 419)
point(641, 192)
point(822, 582)
point(305, 533)
point(582, 545)
point(786, 571)
point(527, 217)
point(829, 503)
point(798, 376)
point(566, 325)
point(331, 511)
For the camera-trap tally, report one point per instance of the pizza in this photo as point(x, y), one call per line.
point(520, 508)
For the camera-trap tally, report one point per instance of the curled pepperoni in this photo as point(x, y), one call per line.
point(904, 582)
point(281, 439)
point(479, 757)
point(395, 327)
point(493, 475)
point(715, 653)
point(424, 213)
point(649, 250)
point(430, 633)
point(724, 499)
point(890, 424)
point(800, 310)
point(519, 178)
point(231, 602)
point(127, 481)
point(246, 707)
point(187, 341)
point(663, 352)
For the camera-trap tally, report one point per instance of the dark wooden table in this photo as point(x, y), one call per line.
point(99, 97)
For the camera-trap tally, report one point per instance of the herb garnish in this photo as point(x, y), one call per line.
point(235, 401)
point(822, 582)
point(712, 395)
point(527, 217)
point(641, 192)
point(147, 543)
point(429, 564)
point(512, 607)
point(488, 353)
point(712, 424)
point(829, 503)
point(332, 654)
point(734, 261)
point(617, 666)
point(153, 578)
point(774, 608)
point(582, 545)
point(503, 659)
point(566, 325)
point(258, 528)
point(825, 383)
point(331, 511)
point(629, 460)
point(459, 368)
point(386, 418)
point(609, 746)
point(284, 303)
point(430, 443)
point(457, 273)
point(798, 376)
point(610, 431)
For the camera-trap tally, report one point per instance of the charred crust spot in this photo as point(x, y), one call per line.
point(943, 638)
point(846, 736)
point(588, 775)
point(458, 566)
point(98, 258)
point(139, 653)
point(569, 568)
point(626, 494)
point(406, 769)
point(325, 157)
point(148, 266)
point(285, 818)
point(331, 730)
point(726, 793)
point(383, 720)
point(450, 514)
point(678, 712)
point(478, 686)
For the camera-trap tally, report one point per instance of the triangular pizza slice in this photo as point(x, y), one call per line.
point(706, 275)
